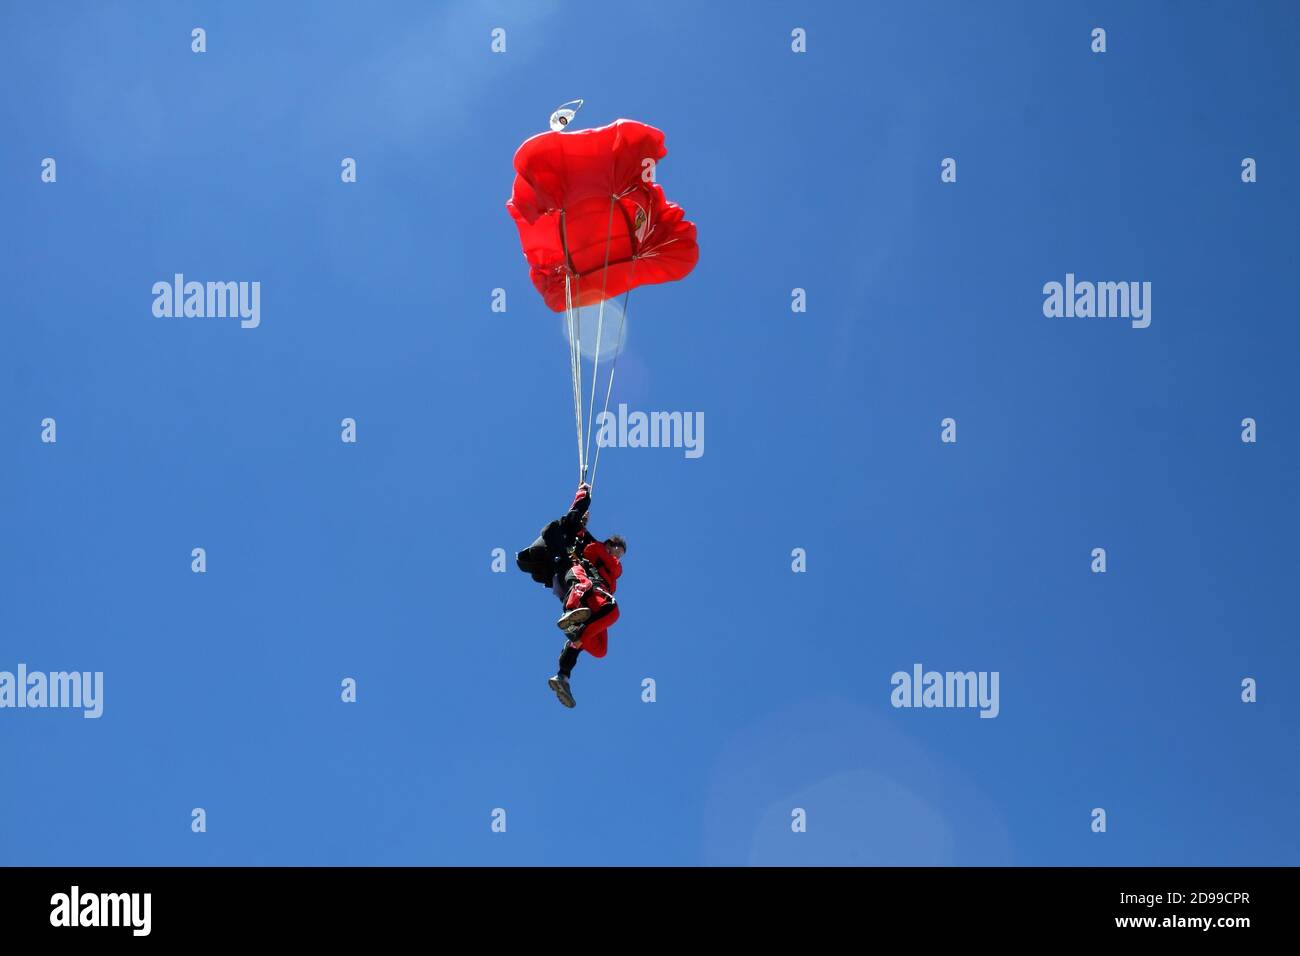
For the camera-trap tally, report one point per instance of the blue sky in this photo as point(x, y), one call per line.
point(373, 561)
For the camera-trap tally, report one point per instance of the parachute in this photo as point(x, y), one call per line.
point(594, 225)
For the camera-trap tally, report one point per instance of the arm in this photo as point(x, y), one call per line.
point(572, 521)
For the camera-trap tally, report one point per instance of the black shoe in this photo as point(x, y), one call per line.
point(571, 619)
point(560, 684)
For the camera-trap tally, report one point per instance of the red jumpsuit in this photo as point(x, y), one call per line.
point(594, 638)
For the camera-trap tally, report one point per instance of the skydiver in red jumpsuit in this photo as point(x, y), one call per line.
point(590, 606)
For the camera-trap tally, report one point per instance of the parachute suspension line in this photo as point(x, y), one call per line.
point(622, 332)
point(600, 327)
point(575, 366)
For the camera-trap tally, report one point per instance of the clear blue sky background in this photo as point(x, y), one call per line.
point(372, 560)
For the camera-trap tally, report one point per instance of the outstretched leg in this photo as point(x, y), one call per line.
point(568, 658)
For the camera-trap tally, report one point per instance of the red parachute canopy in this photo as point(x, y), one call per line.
point(567, 226)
